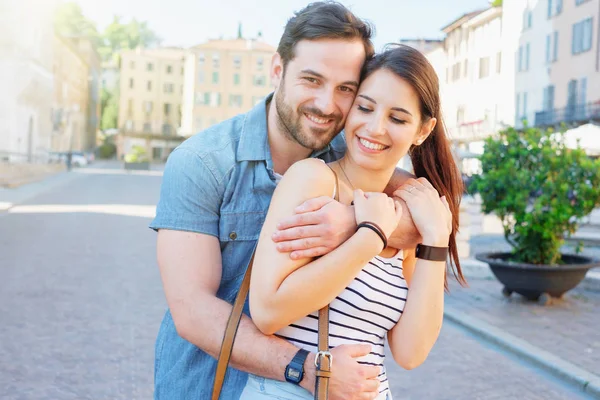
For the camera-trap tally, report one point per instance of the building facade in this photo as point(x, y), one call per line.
point(27, 81)
point(150, 94)
point(76, 106)
point(558, 62)
point(224, 78)
point(477, 90)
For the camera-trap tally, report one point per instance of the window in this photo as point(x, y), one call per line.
point(147, 107)
point(167, 129)
point(149, 67)
point(235, 100)
point(549, 98)
point(201, 59)
point(518, 107)
point(484, 67)
point(582, 91)
point(499, 63)
point(149, 86)
point(527, 57)
point(236, 79)
point(215, 100)
point(582, 36)
point(207, 98)
point(555, 47)
point(130, 83)
point(129, 125)
point(259, 80)
point(169, 69)
point(199, 98)
point(130, 108)
point(548, 48)
point(147, 127)
point(578, 2)
point(215, 77)
point(527, 19)
point(524, 106)
point(215, 59)
point(237, 62)
point(520, 59)
point(554, 7)
point(169, 87)
point(167, 109)
point(200, 76)
point(259, 63)
point(455, 72)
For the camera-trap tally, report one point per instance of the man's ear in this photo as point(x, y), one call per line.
point(276, 70)
point(426, 130)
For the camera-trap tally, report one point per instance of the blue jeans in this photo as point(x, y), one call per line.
point(258, 387)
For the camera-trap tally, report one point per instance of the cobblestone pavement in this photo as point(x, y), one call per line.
point(81, 302)
point(568, 328)
point(461, 367)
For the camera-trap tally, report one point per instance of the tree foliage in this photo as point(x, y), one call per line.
point(539, 188)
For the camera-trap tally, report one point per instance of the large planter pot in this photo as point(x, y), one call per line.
point(538, 282)
point(137, 165)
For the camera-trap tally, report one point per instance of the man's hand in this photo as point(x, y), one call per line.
point(349, 379)
point(318, 227)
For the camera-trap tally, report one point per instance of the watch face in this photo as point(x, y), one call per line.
point(293, 375)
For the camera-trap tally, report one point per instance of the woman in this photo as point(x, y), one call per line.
point(373, 292)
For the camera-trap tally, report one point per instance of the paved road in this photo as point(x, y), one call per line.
point(81, 301)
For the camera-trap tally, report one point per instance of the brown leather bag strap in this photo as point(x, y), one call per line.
point(231, 330)
point(324, 359)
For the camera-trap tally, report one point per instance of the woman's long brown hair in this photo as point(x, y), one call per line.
point(433, 159)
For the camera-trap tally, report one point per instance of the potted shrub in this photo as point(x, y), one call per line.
point(137, 159)
point(540, 190)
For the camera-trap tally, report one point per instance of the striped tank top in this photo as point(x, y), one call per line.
point(363, 313)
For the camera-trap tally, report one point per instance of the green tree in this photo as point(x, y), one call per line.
point(118, 36)
point(109, 106)
point(70, 21)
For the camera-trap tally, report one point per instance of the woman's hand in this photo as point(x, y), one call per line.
point(430, 213)
point(378, 208)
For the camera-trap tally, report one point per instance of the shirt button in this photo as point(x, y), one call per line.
point(233, 236)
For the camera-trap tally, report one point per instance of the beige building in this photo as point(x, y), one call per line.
point(76, 103)
point(223, 78)
point(150, 93)
point(558, 61)
point(26, 80)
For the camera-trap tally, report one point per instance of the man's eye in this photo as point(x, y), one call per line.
point(311, 80)
point(346, 89)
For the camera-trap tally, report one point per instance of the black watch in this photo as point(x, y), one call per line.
point(431, 253)
point(294, 372)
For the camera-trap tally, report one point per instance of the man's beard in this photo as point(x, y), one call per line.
point(290, 123)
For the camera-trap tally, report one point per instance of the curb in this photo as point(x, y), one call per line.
point(560, 368)
point(474, 269)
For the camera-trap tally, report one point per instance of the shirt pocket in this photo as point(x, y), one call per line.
point(238, 233)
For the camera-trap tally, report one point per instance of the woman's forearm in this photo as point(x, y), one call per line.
point(415, 334)
point(316, 284)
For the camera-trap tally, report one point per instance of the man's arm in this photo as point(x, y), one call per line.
point(322, 224)
point(190, 268)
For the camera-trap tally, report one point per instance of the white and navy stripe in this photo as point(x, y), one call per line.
point(363, 313)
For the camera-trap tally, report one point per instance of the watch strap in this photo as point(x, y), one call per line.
point(431, 253)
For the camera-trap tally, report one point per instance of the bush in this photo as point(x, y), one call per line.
point(137, 155)
point(107, 150)
point(539, 188)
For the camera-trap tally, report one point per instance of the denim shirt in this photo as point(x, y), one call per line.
point(219, 182)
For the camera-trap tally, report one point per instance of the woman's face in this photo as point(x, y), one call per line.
point(384, 121)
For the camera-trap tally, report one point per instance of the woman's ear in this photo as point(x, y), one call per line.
point(426, 130)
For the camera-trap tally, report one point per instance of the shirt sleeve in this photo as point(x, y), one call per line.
point(190, 195)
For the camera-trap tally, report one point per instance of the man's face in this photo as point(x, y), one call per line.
point(315, 90)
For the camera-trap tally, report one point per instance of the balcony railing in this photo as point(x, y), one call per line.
point(569, 114)
point(474, 131)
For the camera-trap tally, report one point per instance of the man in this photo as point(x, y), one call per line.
point(215, 194)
